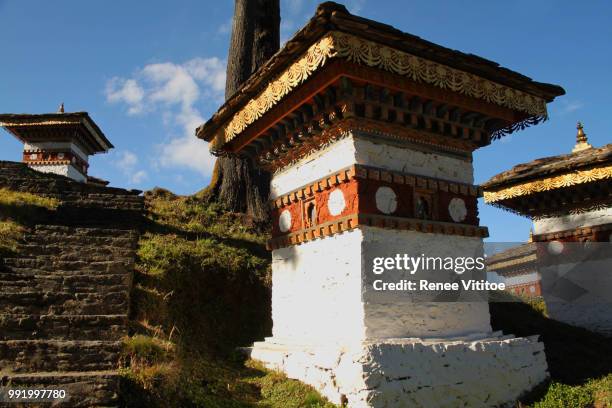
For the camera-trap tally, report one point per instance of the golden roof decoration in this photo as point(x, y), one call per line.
point(581, 140)
point(354, 49)
point(45, 125)
point(549, 183)
point(334, 34)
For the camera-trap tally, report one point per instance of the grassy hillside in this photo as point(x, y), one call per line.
point(202, 288)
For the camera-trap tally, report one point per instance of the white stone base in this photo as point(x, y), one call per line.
point(486, 372)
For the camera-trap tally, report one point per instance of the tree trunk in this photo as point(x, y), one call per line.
point(236, 183)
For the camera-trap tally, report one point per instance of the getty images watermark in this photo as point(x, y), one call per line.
point(411, 265)
point(559, 272)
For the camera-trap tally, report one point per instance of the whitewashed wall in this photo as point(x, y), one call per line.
point(393, 314)
point(62, 170)
point(357, 150)
point(316, 290)
point(322, 290)
point(591, 307)
point(571, 221)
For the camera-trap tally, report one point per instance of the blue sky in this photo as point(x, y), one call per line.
point(149, 72)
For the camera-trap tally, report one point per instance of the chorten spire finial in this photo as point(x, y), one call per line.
point(61, 108)
point(581, 139)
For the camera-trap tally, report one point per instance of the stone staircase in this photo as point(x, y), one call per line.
point(64, 309)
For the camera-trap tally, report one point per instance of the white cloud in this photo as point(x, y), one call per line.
point(127, 91)
point(173, 90)
point(570, 106)
point(171, 84)
point(139, 177)
point(126, 162)
point(187, 151)
point(211, 71)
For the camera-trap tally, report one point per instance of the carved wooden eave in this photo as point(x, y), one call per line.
point(549, 183)
point(57, 127)
point(514, 261)
point(595, 233)
point(565, 184)
point(335, 48)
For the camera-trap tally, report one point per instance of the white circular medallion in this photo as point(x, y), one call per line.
point(33, 156)
point(555, 247)
point(335, 202)
point(284, 221)
point(60, 156)
point(457, 210)
point(386, 200)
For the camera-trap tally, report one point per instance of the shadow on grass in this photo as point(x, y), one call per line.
point(574, 355)
point(196, 381)
point(158, 228)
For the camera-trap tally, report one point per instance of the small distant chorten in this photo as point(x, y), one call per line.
point(518, 267)
point(569, 199)
point(562, 194)
point(58, 143)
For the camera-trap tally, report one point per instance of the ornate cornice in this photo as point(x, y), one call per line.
point(574, 233)
point(337, 45)
point(345, 127)
point(372, 173)
point(381, 221)
point(550, 183)
point(531, 258)
point(581, 209)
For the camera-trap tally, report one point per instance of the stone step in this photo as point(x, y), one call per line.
point(75, 257)
point(30, 356)
point(63, 327)
point(70, 230)
point(15, 283)
point(119, 239)
point(81, 251)
point(64, 303)
point(41, 266)
point(84, 389)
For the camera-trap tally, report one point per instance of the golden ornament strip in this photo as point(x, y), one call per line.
point(503, 264)
point(547, 184)
point(45, 123)
point(364, 52)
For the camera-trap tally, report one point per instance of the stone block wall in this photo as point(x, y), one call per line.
point(64, 298)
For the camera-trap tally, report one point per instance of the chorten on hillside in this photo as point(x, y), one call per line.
point(518, 268)
point(569, 199)
point(58, 143)
point(368, 133)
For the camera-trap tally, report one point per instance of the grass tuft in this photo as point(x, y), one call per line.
point(10, 234)
point(16, 198)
